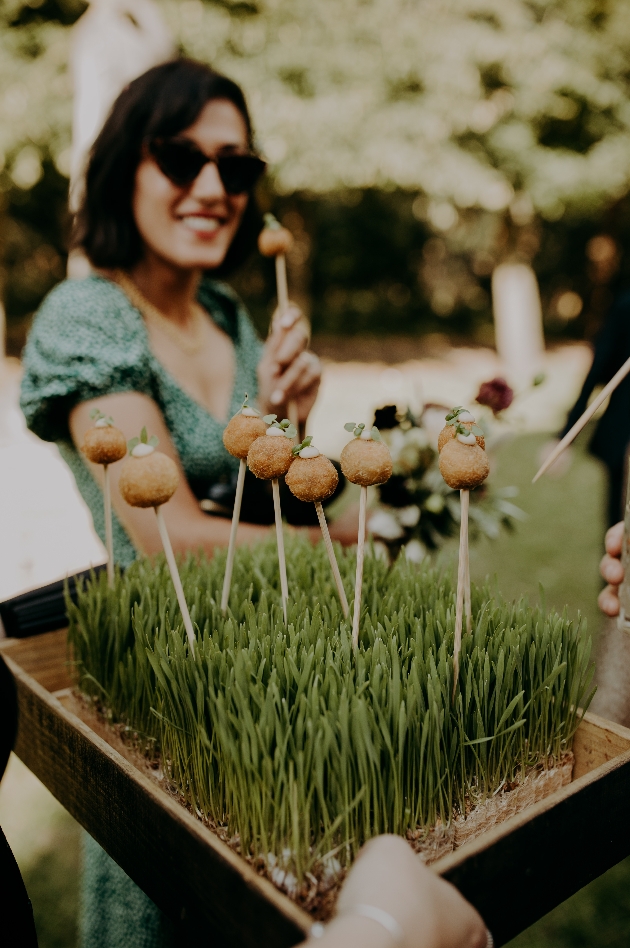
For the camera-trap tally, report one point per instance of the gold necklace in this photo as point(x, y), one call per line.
point(184, 340)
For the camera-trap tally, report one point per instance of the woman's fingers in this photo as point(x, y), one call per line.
point(303, 373)
point(611, 569)
point(614, 540)
point(608, 601)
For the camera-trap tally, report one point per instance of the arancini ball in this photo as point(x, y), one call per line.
point(366, 462)
point(312, 478)
point(104, 444)
point(148, 478)
point(241, 431)
point(270, 455)
point(463, 466)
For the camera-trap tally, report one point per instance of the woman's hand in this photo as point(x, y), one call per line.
point(430, 912)
point(612, 571)
point(288, 372)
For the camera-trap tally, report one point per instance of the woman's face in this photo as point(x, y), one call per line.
point(193, 227)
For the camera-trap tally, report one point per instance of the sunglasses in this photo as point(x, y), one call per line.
point(181, 161)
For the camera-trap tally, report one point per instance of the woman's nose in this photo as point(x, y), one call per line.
point(208, 184)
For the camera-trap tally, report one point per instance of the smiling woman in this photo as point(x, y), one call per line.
point(153, 340)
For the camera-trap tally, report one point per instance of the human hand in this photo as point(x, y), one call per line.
point(612, 571)
point(288, 372)
point(430, 912)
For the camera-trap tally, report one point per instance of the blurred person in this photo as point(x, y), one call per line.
point(612, 432)
point(17, 926)
point(612, 699)
point(153, 339)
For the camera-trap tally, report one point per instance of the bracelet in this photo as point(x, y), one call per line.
point(378, 915)
point(383, 918)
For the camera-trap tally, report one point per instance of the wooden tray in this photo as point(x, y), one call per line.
point(513, 874)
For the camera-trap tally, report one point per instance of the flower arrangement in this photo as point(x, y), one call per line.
point(294, 747)
point(418, 510)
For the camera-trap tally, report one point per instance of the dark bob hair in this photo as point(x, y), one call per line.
point(161, 103)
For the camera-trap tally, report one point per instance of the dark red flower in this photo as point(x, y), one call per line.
point(496, 394)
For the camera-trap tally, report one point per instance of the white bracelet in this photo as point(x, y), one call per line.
point(378, 915)
point(383, 918)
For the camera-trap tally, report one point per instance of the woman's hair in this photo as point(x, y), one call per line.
point(159, 104)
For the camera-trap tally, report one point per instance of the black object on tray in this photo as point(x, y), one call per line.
point(40, 610)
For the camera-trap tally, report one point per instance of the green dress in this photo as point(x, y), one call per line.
point(88, 341)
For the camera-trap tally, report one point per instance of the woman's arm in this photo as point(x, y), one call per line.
point(188, 526)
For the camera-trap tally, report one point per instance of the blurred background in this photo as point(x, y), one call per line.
point(456, 174)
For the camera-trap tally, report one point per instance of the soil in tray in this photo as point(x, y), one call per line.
point(319, 892)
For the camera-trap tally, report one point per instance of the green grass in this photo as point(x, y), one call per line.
point(561, 542)
point(286, 737)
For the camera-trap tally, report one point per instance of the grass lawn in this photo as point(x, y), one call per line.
point(559, 547)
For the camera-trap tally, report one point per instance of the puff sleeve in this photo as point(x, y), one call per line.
point(86, 341)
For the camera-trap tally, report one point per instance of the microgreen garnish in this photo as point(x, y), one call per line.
point(143, 439)
point(305, 444)
point(246, 405)
point(271, 222)
point(285, 425)
point(539, 379)
point(463, 430)
point(97, 415)
point(358, 430)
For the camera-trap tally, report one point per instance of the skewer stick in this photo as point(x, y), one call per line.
point(284, 586)
point(321, 516)
point(584, 418)
point(109, 540)
point(281, 283)
point(236, 516)
point(283, 305)
point(467, 606)
point(461, 583)
point(358, 585)
point(177, 583)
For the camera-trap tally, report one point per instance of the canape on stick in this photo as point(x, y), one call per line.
point(313, 479)
point(240, 433)
point(464, 465)
point(276, 241)
point(149, 479)
point(365, 461)
point(105, 444)
point(269, 458)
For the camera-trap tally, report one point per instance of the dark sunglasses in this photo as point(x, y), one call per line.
point(181, 161)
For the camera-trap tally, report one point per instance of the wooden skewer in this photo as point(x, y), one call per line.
point(584, 418)
point(321, 516)
point(236, 516)
point(467, 606)
point(109, 539)
point(284, 586)
point(283, 305)
point(358, 585)
point(461, 583)
point(281, 283)
point(177, 583)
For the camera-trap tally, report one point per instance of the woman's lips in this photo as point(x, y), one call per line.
point(201, 225)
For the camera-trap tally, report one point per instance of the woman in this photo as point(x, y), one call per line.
point(149, 339)
point(152, 341)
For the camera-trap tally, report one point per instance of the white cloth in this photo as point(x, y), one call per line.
point(114, 42)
